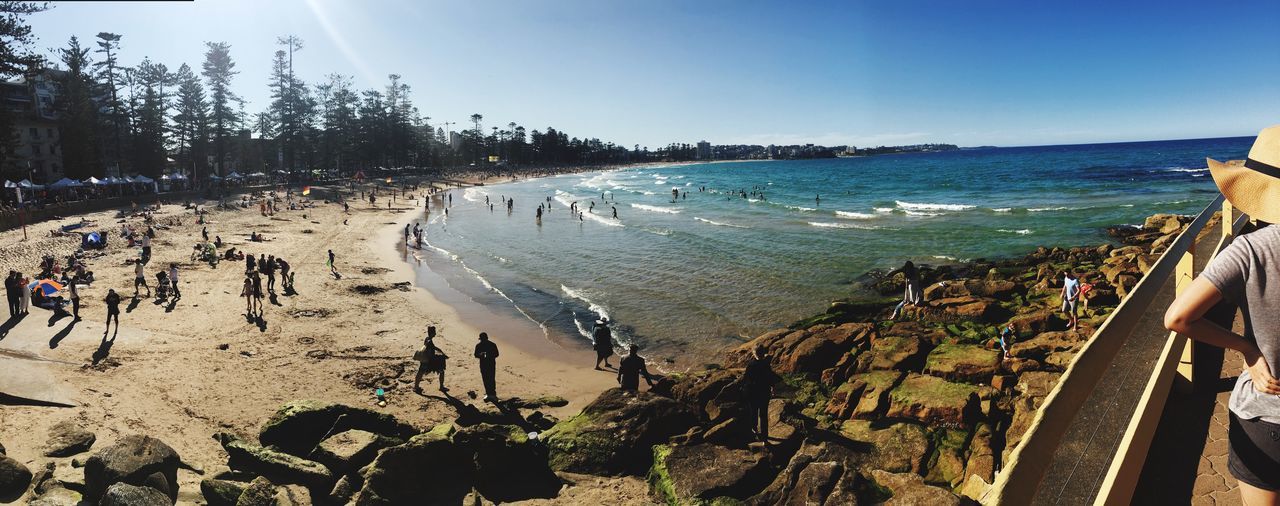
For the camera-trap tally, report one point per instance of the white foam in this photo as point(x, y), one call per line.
point(1183, 169)
point(599, 310)
point(1025, 231)
point(853, 215)
point(910, 206)
point(1042, 209)
point(656, 209)
point(1002, 209)
point(474, 194)
point(802, 209)
point(719, 224)
point(825, 224)
point(922, 213)
point(603, 220)
point(883, 210)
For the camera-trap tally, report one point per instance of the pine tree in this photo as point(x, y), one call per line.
point(190, 121)
point(77, 114)
point(113, 111)
point(218, 70)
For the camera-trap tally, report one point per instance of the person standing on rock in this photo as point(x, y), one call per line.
point(602, 342)
point(430, 359)
point(1070, 297)
point(113, 310)
point(631, 369)
point(1238, 277)
point(758, 379)
point(487, 352)
point(913, 294)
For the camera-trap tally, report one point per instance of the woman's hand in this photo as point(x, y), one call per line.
point(1260, 373)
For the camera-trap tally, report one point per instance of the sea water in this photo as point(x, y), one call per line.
point(688, 277)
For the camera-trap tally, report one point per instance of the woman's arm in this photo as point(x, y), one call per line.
point(1186, 316)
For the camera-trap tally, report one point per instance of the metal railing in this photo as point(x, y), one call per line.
point(1026, 467)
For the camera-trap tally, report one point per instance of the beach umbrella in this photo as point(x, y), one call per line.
point(48, 286)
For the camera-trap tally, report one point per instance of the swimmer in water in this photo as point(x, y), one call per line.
point(615, 212)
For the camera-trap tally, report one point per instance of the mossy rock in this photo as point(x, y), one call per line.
point(899, 447)
point(707, 474)
point(614, 435)
point(947, 462)
point(933, 400)
point(298, 426)
point(962, 362)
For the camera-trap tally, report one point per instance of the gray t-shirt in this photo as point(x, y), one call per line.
point(1241, 273)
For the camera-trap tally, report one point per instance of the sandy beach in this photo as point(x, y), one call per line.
point(184, 371)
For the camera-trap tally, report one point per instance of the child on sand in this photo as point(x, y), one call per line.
point(430, 360)
point(247, 293)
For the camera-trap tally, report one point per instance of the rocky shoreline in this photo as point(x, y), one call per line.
point(920, 410)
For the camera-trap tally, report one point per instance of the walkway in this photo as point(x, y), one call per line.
point(1089, 445)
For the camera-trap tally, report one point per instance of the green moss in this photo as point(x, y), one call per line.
point(660, 478)
point(810, 396)
point(929, 390)
point(570, 442)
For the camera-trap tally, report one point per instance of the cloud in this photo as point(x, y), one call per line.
point(832, 139)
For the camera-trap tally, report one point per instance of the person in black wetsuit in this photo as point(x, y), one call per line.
point(631, 369)
point(487, 352)
point(759, 378)
point(602, 342)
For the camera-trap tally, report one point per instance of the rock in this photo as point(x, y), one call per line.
point(508, 466)
point(43, 478)
point(898, 447)
point(58, 496)
point(823, 472)
point(345, 489)
point(717, 394)
point(975, 487)
point(427, 469)
point(14, 478)
point(910, 489)
point(124, 494)
point(350, 450)
point(1003, 381)
point(1044, 320)
point(260, 492)
point(277, 466)
point(615, 433)
point(809, 351)
point(946, 465)
point(67, 477)
point(1125, 283)
point(1037, 384)
point(933, 400)
point(135, 460)
point(863, 396)
point(1044, 344)
point(992, 288)
point(2, 452)
point(981, 461)
point(1024, 412)
point(68, 438)
point(1020, 365)
point(898, 352)
point(292, 495)
point(221, 492)
point(297, 427)
point(706, 472)
point(963, 362)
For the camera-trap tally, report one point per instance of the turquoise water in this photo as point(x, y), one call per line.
point(689, 277)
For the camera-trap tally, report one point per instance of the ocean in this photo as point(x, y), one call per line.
point(689, 277)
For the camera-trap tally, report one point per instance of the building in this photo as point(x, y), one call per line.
point(704, 150)
point(29, 100)
point(455, 141)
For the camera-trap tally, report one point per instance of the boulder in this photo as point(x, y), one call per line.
point(981, 461)
point(345, 489)
point(1024, 412)
point(58, 496)
point(427, 469)
point(221, 492)
point(68, 438)
point(292, 495)
point(933, 400)
point(508, 466)
point(297, 427)
point(823, 472)
point(717, 394)
point(992, 287)
point(863, 396)
point(900, 447)
point(553, 401)
point(615, 434)
point(277, 466)
point(809, 351)
point(1037, 383)
point(14, 478)
point(124, 494)
point(260, 492)
point(1035, 322)
point(136, 460)
point(910, 489)
point(946, 464)
point(706, 472)
point(963, 362)
point(1045, 344)
point(898, 352)
point(350, 450)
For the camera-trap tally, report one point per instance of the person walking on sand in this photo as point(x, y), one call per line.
point(26, 292)
point(247, 292)
point(759, 378)
point(487, 352)
point(631, 369)
point(913, 294)
point(333, 268)
point(269, 268)
point(140, 277)
point(11, 290)
point(173, 279)
point(1070, 297)
point(430, 360)
point(75, 298)
point(113, 310)
point(602, 342)
point(257, 291)
point(1238, 278)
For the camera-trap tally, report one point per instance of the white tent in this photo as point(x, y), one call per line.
point(95, 181)
point(26, 183)
point(143, 179)
point(234, 175)
point(214, 176)
point(66, 183)
point(10, 184)
point(257, 174)
point(125, 179)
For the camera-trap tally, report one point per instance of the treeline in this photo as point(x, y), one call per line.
point(149, 118)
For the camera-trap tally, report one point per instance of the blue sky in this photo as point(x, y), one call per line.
point(653, 72)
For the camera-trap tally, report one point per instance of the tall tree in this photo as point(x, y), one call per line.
point(113, 112)
point(16, 58)
point(190, 121)
point(218, 70)
point(77, 113)
point(152, 109)
point(287, 93)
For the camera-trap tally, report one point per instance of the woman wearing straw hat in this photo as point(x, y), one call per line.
point(1238, 276)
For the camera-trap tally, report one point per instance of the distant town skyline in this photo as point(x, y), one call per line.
point(862, 73)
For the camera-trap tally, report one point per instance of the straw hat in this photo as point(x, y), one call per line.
point(1254, 187)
